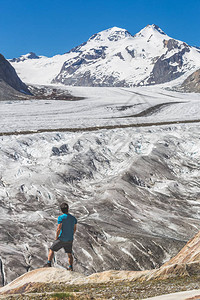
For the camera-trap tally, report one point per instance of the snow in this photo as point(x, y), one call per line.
point(111, 34)
point(148, 45)
point(39, 71)
point(87, 254)
point(101, 107)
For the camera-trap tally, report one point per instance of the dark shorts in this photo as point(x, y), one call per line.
point(58, 244)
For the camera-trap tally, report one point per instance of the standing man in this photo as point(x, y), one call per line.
point(64, 236)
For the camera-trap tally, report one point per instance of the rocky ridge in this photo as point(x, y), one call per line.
point(192, 83)
point(184, 265)
point(30, 55)
point(11, 85)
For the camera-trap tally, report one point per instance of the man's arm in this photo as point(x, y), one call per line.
point(58, 230)
point(75, 227)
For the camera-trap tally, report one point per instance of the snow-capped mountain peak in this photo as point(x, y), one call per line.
point(114, 57)
point(151, 30)
point(111, 34)
point(30, 55)
point(155, 28)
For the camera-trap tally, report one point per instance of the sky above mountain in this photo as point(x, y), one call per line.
point(49, 27)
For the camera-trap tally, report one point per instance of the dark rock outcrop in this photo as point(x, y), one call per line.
point(192, 83)
point(167, 69)
point(8, 93)
point(9, 80)
point(131, 52)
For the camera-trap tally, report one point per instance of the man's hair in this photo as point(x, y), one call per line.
point(64, 208)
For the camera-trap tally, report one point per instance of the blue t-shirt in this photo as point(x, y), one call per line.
point(67, 231)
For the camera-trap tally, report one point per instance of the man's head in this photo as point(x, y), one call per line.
point(64, 208)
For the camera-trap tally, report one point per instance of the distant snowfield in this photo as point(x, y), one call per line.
point(40, 71)
point(101, 107)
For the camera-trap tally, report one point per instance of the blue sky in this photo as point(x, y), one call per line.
point(49, 27)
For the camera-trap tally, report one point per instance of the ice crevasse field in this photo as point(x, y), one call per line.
point(126, 160)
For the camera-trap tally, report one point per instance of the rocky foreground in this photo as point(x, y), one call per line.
point(181, 273)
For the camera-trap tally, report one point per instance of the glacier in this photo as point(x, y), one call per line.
point(135, 191)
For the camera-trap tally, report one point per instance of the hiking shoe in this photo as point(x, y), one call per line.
point(47, 265)
point(70, 268)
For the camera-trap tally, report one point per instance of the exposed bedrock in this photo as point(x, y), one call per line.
point(167, 69)
point(192, 83)
point(9, 80)
point(135, 193)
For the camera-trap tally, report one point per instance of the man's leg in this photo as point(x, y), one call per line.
point(57, 245)
point(51, 254)
point(70, 259)
point(50, 257)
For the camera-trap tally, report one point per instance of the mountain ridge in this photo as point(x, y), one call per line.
point(114, 57)
point(11, 85)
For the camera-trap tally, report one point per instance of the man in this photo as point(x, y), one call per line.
point(67, 225)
